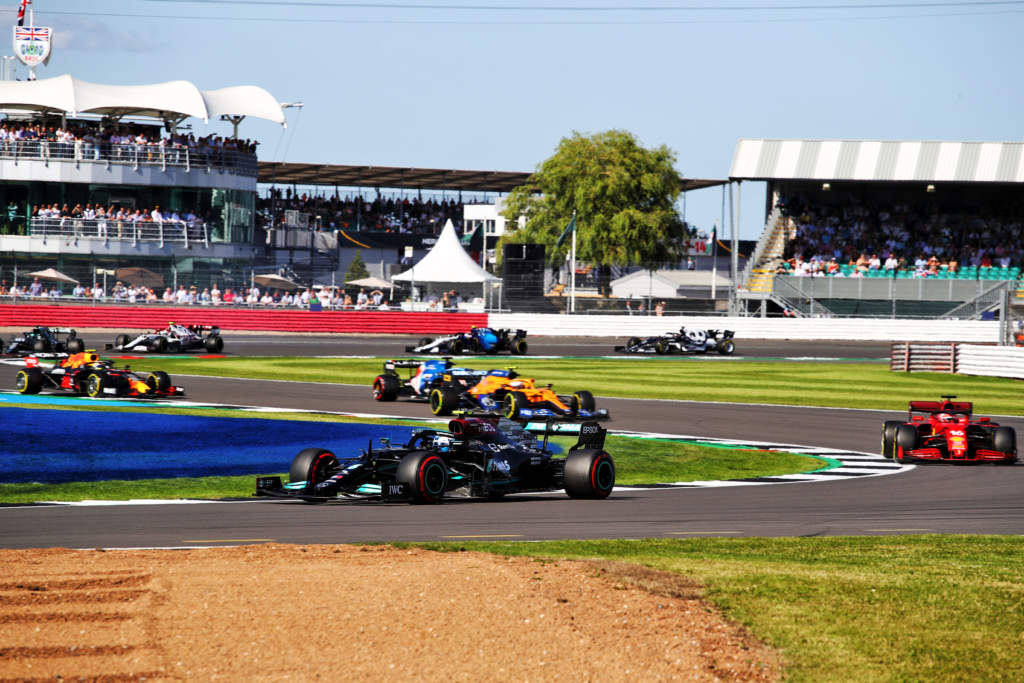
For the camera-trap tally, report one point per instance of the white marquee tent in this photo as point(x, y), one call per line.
point(174, 99)
point(447, 263)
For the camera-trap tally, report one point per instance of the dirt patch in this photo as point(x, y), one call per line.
point(276, 612)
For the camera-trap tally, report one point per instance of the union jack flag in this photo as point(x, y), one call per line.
point(31, 33)
point(21, 11)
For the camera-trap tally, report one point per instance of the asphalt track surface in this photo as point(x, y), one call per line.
point(926, 499)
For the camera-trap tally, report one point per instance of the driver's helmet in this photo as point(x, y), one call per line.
point(945, 417)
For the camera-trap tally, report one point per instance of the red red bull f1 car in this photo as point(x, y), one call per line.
point(85, 374)
point(947, 431)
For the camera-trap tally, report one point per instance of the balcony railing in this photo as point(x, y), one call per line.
point(162, 232)
point(134, 155)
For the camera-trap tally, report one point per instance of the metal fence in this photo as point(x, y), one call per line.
point(134, 155)
point(161, 232)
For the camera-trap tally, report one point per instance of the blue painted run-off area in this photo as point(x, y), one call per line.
point(41, 445)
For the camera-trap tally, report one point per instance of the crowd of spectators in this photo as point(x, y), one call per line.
point(82, 141)
point(381, 214)
point(854, 239)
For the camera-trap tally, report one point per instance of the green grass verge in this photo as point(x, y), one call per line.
point(898, 608)
point(842, 385)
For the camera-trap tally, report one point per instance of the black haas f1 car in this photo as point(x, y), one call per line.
point(946, 431)
point(84, 373)
point(505, 393)
point(683, 341)
point(45, 340)
point(483, 457)
point(477, 340)
point(173, 339)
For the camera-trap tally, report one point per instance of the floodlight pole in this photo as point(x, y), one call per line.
point(572, 274)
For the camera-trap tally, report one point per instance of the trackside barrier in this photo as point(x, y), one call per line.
point(847, 329)
point(135, 317)
point(907, 357)
point(990, 361)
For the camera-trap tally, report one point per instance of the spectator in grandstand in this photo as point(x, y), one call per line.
point(229, 296)
point(215, 294)
point(362, 299)
point(36, 288)
point(97, 291)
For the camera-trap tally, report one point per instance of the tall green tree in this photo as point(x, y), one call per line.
point(623, 195)
point(356, 268)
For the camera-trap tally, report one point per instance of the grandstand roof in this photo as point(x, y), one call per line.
point(878, 160)
point(406, 177)
point(159, 100)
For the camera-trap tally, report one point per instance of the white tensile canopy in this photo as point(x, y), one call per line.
point(173, 99)
point(447, 262)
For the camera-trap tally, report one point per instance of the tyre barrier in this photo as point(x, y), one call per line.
point(146, 317)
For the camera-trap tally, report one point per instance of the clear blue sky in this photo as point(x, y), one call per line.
point(475, 87)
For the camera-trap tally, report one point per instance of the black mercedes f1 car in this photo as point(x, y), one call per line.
point(484, 457)
point(45, 340)
point(684, 341)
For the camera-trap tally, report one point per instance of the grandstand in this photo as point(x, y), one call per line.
point(885, 228)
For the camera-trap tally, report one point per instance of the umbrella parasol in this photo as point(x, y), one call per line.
point(51, 274)
point(276, 282)
point(140, 277)
point(371, 281)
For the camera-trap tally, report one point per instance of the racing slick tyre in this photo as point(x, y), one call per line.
point(40, 346)
point(727, 348)
point(663, 347)
point(29, 381)
point(160, 345)
point(513, 404)
point(385, 388)
point(425, 475)
point(443, 400)
point(889, 438)
point(1005, 439)
point(582, 399)
point(906, 440)
point(519, 347)
point(76, 345)
point(158, 380)
point(589, 473)
point(313, 466)
point(214, 343)
point(95, 383)
point(120, 341)
point(456, 347)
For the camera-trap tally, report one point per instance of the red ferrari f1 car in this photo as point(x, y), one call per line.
point(946, 431)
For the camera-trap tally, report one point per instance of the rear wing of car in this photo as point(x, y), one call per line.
point(396, 363)
point(965, 407)
point(591, 434)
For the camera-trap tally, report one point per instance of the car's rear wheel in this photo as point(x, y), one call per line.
point(443, 400)
point(41, 346)
point(1004, 439)
point(906, 441)
point(160, 345)
point(520, 347)
point(385, 388)
point(29, 381)
point(95, 383)
point(425, 475)
point(214, 343)
point(76, 345)
point(889, 438)
point(727, 348)
point(158, 380)
point(456, 347)
point(582, 399)
point(313, 466)
point(589, 473)
point(513, 404)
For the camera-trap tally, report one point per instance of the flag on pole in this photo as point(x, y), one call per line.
point(21, 11)
point(565, 233)
point(711, 237)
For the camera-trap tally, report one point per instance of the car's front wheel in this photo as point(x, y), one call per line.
point(313, 466)
point(425, 475)
point(158, 380)
point(582, 399)
point(906, 441)
point(95, 383)
point(889, 438)
point(513, 404)
point(1004, 439)
point(443, 400)
point(589, 473)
